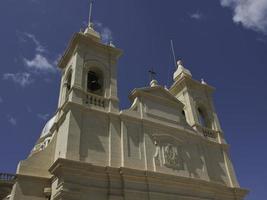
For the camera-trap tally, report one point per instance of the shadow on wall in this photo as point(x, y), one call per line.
point(94, 137)
point(215, 165)
point(190, 157)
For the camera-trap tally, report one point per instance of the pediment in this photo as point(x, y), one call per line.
point(157, 104)
point(157, 93)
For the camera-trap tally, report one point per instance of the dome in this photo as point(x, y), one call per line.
point(48, 126)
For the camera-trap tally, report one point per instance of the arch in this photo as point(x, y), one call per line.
point(95, 77)
point(67, 84)
point(68, 80)
point(203, 117)
point(183, 113)
point(95, 81)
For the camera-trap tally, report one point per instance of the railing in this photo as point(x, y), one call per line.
point(95, 100)
point(209, 133)
point(7, 177)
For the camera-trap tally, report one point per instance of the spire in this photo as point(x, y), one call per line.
point(181, 71)
point(173, 54)
point(90, 28)
point(90, 24)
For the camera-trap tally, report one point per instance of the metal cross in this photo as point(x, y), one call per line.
point(152, 74)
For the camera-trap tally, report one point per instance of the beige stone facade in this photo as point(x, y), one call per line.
point(167, 145)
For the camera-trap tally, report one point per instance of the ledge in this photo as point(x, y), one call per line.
point(156, 182)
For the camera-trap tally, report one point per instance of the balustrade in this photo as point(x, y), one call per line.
point(7, 177)
point(209, 132)
point(95, 100)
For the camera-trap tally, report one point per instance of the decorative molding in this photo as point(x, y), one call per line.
point(168, 153)
point(172, 157)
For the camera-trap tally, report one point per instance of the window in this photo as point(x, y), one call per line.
point(94, 82)
point(183, 113)
point(202, 118)
point(69, 77)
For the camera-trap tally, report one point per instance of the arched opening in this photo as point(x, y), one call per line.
point(67, 85)
point(68, 81)
point(202, 118)
point(183, 113)
point(95, 82)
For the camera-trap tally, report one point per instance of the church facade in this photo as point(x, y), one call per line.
point(167, 145)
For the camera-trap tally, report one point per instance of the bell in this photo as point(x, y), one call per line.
point(93, 82)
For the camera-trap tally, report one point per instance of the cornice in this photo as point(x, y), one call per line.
point(80, 38)
point(186, 81)
point(153, 179)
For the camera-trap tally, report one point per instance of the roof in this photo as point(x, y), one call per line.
point(155, 91)
point(80, 38)
point(47, 127)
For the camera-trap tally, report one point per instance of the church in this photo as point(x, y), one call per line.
point(168, 145)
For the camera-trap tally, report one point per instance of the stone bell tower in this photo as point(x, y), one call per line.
point(89, 72)
point(84, 125)
point(199, 109)
point(89, 82)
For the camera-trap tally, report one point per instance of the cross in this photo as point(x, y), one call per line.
point(90, 12)
point(152, 74)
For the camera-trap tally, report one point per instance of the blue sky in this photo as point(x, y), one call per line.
point(222, 41)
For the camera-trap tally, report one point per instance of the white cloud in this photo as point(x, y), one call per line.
point(39, 47)
point(56, 61)
point(262, 40)
point(105, 32)
point(252, 14)
point(43, 116)
point(39, 64)
point(106, 35)
point(23, 79)
point(196, 16)
point(12, 120)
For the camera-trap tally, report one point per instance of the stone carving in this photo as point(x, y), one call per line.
point(172, 157)
point(157, 159)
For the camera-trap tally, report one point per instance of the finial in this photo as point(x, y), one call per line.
point(152, 74)
point(153, 83)
point(180, 63)
point(111, 44)
point(89, 31)
point(203, 81)
point(181, 71)
point(90, 24)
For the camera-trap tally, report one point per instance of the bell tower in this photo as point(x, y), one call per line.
point(88, 95)
point(199, 109)
point(89, 72)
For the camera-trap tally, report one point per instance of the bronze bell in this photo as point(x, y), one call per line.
point(93, 82)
